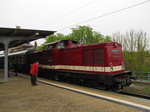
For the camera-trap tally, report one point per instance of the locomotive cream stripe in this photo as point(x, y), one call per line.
point(83, 68)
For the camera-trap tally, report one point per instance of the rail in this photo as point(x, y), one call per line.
point(136, 95)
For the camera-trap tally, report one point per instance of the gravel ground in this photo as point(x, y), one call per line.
point(18, 95)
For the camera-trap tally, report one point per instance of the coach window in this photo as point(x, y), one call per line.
point(15, 60)
point(23, 60)
point(12, 60)
point(19, 60)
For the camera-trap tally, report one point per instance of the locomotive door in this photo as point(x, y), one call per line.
point(48, 54)
point(50, 57)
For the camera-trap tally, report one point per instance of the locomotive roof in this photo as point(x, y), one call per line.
point(60, 41)
point(53, 42)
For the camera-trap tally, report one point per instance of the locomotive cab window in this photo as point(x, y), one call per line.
point(53, 46)
point(61, 45)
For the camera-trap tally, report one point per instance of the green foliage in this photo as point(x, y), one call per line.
point(53, 38)
point(86, 35)
point(82, 34)
point(40, 47)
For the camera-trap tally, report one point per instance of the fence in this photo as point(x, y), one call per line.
point(142, 75)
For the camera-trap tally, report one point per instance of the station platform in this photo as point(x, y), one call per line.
point(18, 95)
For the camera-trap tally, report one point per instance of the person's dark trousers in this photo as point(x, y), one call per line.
point(33, 80)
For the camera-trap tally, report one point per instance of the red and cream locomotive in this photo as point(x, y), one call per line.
point(98, 64)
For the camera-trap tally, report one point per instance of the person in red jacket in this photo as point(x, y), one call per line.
point(34, 72)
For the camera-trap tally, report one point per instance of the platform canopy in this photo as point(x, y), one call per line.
point(12, 37)
point(21, 36)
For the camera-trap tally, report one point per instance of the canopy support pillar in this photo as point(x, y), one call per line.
point(6, 61)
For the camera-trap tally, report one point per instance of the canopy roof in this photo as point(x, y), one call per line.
point(27, 34)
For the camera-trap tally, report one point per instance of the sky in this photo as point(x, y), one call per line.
point(62, 15)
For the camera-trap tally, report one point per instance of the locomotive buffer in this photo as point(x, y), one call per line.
point(12, 37)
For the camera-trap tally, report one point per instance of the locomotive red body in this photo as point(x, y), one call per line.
point(101, 64)
point(96, 64)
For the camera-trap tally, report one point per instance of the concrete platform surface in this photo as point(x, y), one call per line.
point(18, 95)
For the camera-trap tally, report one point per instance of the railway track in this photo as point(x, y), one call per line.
point(136, 95)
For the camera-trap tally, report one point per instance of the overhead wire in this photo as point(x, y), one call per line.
point(68, 13)
point(106, 14)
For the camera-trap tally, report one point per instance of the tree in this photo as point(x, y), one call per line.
point(135, 46)
point(53, 38)
point(85, 34)
point(82, 34)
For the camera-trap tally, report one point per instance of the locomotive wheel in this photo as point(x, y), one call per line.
point(56, 77)
point(105, 87)
point(118, 89)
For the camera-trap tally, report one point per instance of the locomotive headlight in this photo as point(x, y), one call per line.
point(123, 67)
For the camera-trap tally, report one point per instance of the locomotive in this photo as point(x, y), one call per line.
point(99, 64)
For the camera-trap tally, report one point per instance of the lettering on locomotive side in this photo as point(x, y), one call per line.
point(115, 50)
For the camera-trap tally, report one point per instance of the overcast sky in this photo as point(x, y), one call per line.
point(59, 14)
